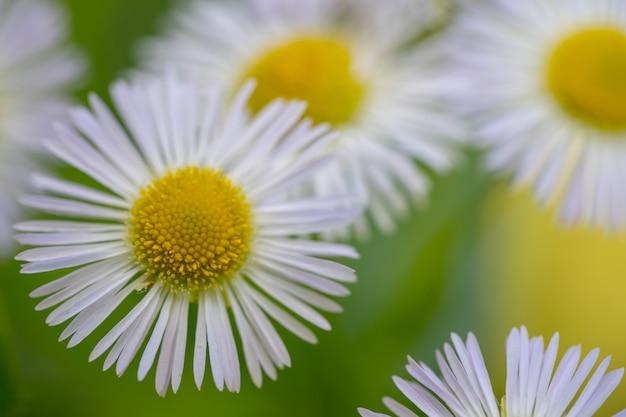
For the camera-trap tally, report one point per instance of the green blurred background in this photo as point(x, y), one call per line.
point(476, 258)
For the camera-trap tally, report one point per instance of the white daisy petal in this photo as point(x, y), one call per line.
point(80, 153)
point(402, 411)
point(180, 343)
point(105, 123)
point(88, 296)
point(310, 297)
point(37, 72)
point(201, 216)
point(321, 267)
point(254, 354)
point(69, 189)
point(91, 317)
point(106, 342)
point(292, 302)
point(150, 352)
point(34, 239)
point(368, 413)
point(138, 335)
point(200, 348)
point(60, 226)
point(531, 388)
point(66, 287)
point(262, 326)
point(604, 390)
point(168, 342)
point(313, 281)
point(370, 81)
point(543, 88)
point(280, 315)
point(314, 248)
point(63, 207)
point(592, 385)
point(222, 349)
point(59, 257)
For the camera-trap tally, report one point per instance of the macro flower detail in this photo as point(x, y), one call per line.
point(385, 95)
point(536, 383)
point(316, 70)
point(193, 224)
point(36, 73)
point(546, 95)
point(195, 214)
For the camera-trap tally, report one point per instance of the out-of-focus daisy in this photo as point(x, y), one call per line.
point(191, 216)
point(536, 384)
point(36, 70)
point(351, 61)
point(547, 95)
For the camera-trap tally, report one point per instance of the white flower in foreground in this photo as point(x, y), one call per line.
point(191, 216)
point(534, 387)
point(36, 70)
point(350, 60)
point(546, 93)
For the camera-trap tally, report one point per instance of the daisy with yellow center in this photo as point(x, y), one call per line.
point(537, 385)
point(37, 71)
point(195, 214)
point(356, 72)
point(546, 92)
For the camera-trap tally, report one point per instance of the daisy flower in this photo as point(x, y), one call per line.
point(546, 94)
point(534, 388)
point(36, 70)
point(190, 216)
point(350, 60)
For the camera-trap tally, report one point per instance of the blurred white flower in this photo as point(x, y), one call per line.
point(36, 71)
point(546, 93)
point(353, 62)
point(534, 387)
point(191, 217)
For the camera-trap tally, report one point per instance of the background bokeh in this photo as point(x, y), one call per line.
point(479, 257)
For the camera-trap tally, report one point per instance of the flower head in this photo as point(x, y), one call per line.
point(536, 384)
point(546, 94)
point(194, 213)
point(355, 70)
point(36, 70)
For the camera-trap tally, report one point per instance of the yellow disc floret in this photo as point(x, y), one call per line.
point(587, 76)
point(316, 70)
point(191, 228)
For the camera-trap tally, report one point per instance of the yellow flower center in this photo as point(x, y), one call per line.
point(587, 75)
point(318, 71)
point(191, 229)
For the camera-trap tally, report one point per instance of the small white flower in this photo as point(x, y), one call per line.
point(36, 70)
point(546, 94)
point(352, 62)
point(536, 384)
point(191, 217)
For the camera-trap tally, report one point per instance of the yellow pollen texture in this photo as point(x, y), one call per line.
point(191, 228)
point(587, 76)
point(318, 71)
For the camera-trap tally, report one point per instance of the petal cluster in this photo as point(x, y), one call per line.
point(37, 70)
point(501, 53)
point(537, 385)
point(400, 116)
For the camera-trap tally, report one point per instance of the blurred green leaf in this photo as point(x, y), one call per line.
point(8, 371)
point(395, 270)
point(108, 32)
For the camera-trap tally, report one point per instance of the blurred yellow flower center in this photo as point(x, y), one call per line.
point(191, 228)
point(587, 75)
point(318, 71)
